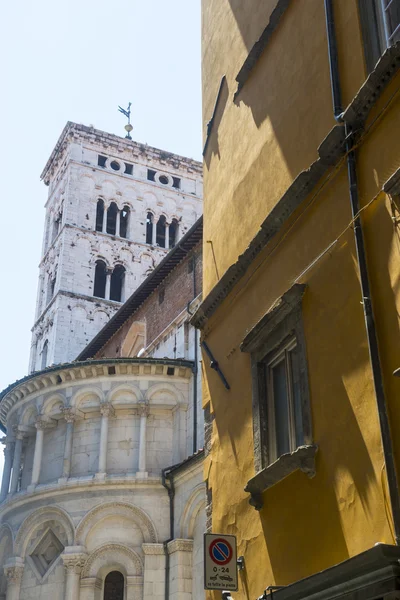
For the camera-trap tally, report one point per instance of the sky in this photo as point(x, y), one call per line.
point(77, 61)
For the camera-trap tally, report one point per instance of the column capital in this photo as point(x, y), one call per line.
point(74, 558)
point(41, 424)
point(68, 414)
point(19, 435)
point(143, 410)
point(153, 549)
point(107, 410)
point(180, 545)
point(13, 570)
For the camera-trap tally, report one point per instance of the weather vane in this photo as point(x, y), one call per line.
point(128, 127)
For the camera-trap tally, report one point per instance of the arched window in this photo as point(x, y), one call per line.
point(117, 283)
point(99, 215)
point(100, 277)
point(149, 228)
point(173, 233)
point(124, 222)
point(112, 218)
point(44, 355)
point(114, 586)
point(160, 232)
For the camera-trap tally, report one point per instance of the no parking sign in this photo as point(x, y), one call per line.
point(220, 562)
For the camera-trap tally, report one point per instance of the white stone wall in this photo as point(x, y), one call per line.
point(71, 245)
point(117, 520)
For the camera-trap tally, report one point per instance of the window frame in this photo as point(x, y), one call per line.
point(280, 328)
point(376, 32)
point(281, 355)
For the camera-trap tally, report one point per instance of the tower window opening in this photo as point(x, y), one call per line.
point(101, 160)
point(151, 174)
point(51, 284)
point(173, 233)
point(99, 215)
point(44, 355)
point(117, 283)
point(149, 228)
point(124, 222)
point(100, 278)
point(114, 586)
point(163, 179)
point(112, 219)
point(128, 169)
point(176, 182)
point(160, 231)
point(115, 165)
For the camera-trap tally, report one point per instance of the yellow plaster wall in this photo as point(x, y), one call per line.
point(259, 145)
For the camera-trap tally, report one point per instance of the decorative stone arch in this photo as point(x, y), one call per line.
point(109, 190)
point(97, 256)
point(28, 415)
point(101, 511)
point(85, 391)
point(38, 518)
point(194, 505)
point(5, 529)
point(112, 557)
point(125, 387)
point(165, 387)
point(54, 400)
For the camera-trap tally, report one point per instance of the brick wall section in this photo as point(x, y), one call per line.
point(178, 291)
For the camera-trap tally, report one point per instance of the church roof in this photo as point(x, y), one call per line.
point(168, 264)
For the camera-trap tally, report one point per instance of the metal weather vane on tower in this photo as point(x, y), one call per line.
point(127, 112)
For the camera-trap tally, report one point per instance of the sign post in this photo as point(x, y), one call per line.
point(220, 562)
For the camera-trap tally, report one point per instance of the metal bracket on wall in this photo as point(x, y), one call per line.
point(214, 365)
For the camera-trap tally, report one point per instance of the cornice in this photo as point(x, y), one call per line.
point(52, 377)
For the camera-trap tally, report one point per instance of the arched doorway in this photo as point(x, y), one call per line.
point(114, 586)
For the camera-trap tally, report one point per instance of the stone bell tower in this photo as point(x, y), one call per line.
point(114, 209)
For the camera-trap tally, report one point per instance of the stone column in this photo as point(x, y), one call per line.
point(108, 285)
point(167, 235)
point(37, 456)
point(19, 436)
point(154, 232)
point(69, 432)
point(13, 570)
point(5, 483)
point(90, 588)
point(143, 412)
point(154, 572)
point(118, 224)
point(104, 227)
point(106, 410)
point(134, 587)
point(180, 565)
point(73, 559)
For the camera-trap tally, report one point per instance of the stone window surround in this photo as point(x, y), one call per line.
point(282, 320)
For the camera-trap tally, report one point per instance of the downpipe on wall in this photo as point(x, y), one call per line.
point(167, 475)
point(363, 269)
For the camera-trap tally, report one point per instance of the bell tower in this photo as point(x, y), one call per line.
point(114, 209)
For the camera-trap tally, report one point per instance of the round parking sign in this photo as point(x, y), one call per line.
point(220, 551)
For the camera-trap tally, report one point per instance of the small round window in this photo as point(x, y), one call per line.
point(115, 166)
point(163, 179)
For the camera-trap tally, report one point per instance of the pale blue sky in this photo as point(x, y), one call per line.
point(77, 60)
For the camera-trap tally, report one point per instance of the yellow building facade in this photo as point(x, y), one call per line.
point(300, 316)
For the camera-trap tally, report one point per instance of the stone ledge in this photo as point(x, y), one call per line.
point(303, 459)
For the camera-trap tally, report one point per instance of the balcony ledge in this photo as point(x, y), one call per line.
point(303, 459)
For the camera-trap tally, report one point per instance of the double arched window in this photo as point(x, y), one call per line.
point(109, 284)
point(160, 233)
point(112, 220)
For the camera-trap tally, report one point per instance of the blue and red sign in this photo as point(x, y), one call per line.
point(220, 551)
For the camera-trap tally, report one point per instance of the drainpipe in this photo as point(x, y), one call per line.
point(166, 474)
point(364, 279)
point(195, 368)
